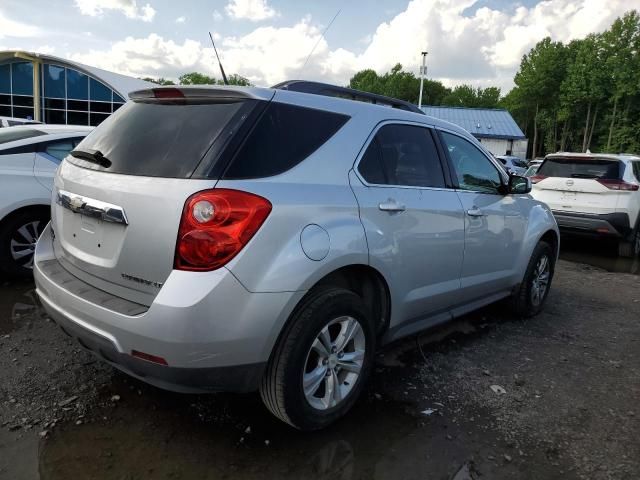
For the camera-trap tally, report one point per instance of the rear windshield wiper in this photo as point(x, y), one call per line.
point(583, 175)
point(93, 156)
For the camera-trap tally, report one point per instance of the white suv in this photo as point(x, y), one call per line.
point(595, 194)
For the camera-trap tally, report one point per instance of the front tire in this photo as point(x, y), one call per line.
point(18, 236)
point(529, 299)
point(322, 360)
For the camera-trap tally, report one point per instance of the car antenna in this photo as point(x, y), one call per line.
point(321, 37)
point(224, 77)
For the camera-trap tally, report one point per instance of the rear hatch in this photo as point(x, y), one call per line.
point(581, 184)
point(119, 196)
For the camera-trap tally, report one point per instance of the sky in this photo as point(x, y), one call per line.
point(478, 42)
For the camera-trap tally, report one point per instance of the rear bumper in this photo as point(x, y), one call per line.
point(610, 224)
point(213, 334)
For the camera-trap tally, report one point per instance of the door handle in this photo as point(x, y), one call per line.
point(475, 212)
point(391, 206)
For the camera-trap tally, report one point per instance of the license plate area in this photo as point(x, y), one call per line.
point(90, 239)
point(568, 196)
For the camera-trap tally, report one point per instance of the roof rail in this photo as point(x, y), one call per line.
point(328, 90)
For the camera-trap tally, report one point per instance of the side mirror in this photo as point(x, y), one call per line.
point(519, 185)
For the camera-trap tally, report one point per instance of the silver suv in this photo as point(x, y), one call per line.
point(223, 239)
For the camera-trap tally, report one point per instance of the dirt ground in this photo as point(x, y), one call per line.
point(489, 396)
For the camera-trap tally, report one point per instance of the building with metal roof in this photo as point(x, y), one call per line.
point(56, 90)
point(495, 128)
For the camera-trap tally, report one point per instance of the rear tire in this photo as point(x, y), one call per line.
point(630, 248)
point(18, 236)
point(529, 299)
point(322, 360)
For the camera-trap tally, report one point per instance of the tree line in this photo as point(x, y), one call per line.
point(579, 96)
point(584, 95)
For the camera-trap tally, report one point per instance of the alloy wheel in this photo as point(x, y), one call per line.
point(334, 363)
point(23, 243)
point(540, 281)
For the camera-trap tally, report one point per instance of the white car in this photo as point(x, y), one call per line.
point(12, 122)
point(594, 194)
point(29, 157)
point(512, 164)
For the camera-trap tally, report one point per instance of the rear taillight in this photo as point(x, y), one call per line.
point(216, 225)
point(615, 184)
point(537, 178)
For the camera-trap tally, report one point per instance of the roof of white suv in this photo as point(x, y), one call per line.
point(599, 156)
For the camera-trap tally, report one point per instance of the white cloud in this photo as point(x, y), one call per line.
point(254, 10)
point(130, 8)
point(181, 19)
point(12, 28)
point(482, 49)
point(46, 49)
point(217, 16)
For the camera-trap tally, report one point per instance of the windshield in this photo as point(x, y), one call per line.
point(160, 139)
point(572, 167)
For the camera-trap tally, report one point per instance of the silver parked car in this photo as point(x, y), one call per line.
point(235, 239)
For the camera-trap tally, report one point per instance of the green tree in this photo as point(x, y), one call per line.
point(196, 78)
point(621, 46)
point(399, 84)
point(468, 96)
point(584, 85)
point(538, 79)
point(159, 81)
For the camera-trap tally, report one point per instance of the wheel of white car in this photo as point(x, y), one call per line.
point(320, 364)
point(630, 248)
point(529, 299)
point(18, 237)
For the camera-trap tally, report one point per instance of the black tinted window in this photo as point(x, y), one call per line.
point(581, 168)
point(283, 137)
point(636, 170)
point(402, 155)
point(160, 139)
point(473, 169)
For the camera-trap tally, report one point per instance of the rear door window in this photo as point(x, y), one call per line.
point(573, 167)
point(402, 155)
point(283, 137)
point(59, 150)
point(158, 139)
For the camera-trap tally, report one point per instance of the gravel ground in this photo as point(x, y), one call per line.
point(488, 396)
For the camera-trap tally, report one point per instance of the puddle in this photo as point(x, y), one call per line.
point(19, 307)
point(378, 440)
point(598, 253)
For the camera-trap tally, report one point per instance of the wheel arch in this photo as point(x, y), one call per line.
point(39, 208)
point(362, 279)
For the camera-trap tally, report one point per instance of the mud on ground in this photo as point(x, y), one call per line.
point(489, 396)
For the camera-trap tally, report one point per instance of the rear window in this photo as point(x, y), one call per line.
point(13, 134)
point(162, 139)
point(283, 137)
point(581, 168)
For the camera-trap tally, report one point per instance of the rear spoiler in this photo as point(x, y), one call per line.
point(199, 94)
